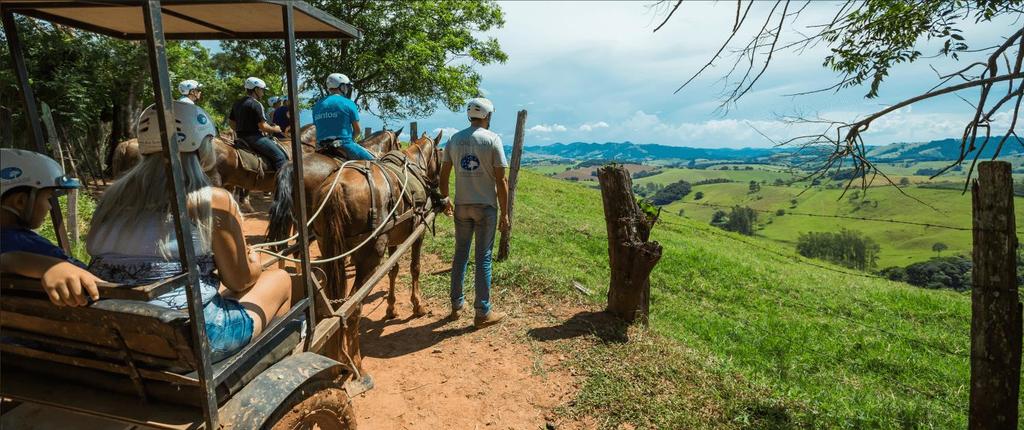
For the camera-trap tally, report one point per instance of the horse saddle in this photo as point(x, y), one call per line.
point(251, 161)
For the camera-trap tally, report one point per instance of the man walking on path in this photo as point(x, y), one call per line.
point(481, 190)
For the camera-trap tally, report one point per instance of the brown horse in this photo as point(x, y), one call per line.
point(347, 221)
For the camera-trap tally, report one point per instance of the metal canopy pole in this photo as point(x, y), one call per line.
point(32, 114)
point(162, 90)
point(298, 193)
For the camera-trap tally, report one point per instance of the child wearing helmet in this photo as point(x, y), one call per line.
point(28, 180)
point(133, 238)
point(249, 120)
point(336, 118)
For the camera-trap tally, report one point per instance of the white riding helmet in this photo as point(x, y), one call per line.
point(187, 86)
point(20, 168)
point(191, 126)
point(335, 80)
point(479, 108)
point(274, 99)
point(254, 82)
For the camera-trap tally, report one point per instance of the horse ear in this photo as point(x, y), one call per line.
point(437, 140)
point(399, 132)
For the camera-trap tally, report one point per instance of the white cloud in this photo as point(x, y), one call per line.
point(544, 128)
point(447, 132)
point(593, 125)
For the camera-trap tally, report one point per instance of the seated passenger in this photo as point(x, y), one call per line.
point(27, 180)
point(133, 237)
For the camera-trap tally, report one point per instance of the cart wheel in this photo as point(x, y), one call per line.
point(319, 405)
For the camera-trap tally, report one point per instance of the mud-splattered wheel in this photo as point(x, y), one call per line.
point(315, 406)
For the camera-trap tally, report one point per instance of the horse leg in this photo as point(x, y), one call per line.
point(243, 199)
point(392, 275)
point(418, 307)
point(367, 260)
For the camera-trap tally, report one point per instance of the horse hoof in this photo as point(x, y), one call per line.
point(390, 314)
point(420, 311)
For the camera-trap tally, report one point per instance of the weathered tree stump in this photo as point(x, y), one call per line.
point(631, 256)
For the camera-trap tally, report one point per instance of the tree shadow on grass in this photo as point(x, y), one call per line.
point(602, 325)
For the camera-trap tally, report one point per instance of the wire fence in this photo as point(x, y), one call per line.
point(891, 221)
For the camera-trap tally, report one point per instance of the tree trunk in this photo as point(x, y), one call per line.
point(631, 256)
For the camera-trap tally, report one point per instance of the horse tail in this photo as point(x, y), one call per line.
point(281, 220)
point(330, 231)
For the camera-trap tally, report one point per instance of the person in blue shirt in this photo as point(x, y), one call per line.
point(282, 117)
point(336, 118)
point(27, 181)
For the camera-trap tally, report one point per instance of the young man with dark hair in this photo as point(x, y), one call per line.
point(249, 120)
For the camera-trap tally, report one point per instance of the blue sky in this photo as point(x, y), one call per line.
point(595, 72)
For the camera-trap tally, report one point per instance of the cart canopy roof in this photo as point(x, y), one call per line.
point(189, 19)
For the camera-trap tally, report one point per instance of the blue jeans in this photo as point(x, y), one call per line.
point(353, 151)
point(269, 150)
point(482, 221)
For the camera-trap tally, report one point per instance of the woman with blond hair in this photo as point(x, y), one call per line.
point(133, 239)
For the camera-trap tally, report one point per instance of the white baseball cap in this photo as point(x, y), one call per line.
point(191, 126)
point(335, 80)
point(21, 168)
point(254, 82)
point(479, 108)
point(187, 86)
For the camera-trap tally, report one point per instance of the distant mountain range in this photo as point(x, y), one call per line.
point(629, 151)
point(944, 149)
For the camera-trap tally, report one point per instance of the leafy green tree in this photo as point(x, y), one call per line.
point(754, 187)
point(938, 247)
point(671, 193)
point(698, 195)
point(741, 220)
point(413, 57)
point(848, 248)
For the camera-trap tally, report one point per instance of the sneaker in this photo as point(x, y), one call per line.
point(455, 312)
point(488, 319)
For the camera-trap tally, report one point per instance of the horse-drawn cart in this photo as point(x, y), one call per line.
point(123, 359)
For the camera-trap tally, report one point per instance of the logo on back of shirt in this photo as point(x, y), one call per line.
point(470, 162)
point(10, 173)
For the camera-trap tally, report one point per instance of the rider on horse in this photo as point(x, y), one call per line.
point(248, 119)
point(190, 91)
point(337, 121)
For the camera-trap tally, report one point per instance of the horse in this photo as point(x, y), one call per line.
point(230, 173)
point(346, 220)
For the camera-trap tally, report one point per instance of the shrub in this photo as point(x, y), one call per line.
point(780, 212)
point(904, 181)
point(941, 272)
point(699, 195)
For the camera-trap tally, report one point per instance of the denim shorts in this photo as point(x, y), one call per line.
point(228, 326)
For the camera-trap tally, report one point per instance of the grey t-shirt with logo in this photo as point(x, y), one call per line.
point(474, 153)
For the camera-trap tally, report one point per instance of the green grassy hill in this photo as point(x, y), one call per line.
point(812, 345)
point(901, 244)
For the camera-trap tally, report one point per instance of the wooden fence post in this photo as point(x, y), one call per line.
point(413, 132)
point(631, 256)
point(995, 304)
point(367, 132)
point(513, 178)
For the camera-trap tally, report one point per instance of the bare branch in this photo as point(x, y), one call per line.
point(672, 12)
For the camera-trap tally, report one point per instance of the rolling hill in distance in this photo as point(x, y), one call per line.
point(935, 150)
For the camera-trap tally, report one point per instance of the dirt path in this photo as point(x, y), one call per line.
point(433, 373)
